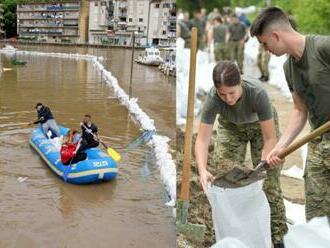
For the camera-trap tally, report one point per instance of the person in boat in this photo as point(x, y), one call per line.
point(69, 149)
point(89, 137)
point(46, 120)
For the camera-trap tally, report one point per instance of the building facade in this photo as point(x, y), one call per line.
point(2, 32)
point(114, 21)
point(162, 22)
point(49, 22)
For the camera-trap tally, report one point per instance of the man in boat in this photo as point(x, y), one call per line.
point(46, 120)
point(89, 137)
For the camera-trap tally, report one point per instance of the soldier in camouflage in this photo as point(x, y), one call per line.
point(237, 37)
point(183, 29)
point(263, 61)
point(218, 35)
point(308, 76)
point(245, 116)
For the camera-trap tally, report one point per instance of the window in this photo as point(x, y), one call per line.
point(164, 31)
point(96, 3)
point(157, 6)
point(164, 23)
point(140, 19)
point(130, 19)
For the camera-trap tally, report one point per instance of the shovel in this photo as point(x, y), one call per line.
point(194, 232)
point(239, 177)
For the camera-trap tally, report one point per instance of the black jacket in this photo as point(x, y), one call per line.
point(45, 113)
point(86, 135)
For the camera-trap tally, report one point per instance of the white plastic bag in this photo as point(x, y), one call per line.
point(241, 213)
point(316, 234)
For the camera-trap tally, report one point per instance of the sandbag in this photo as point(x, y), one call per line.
point(316, 234)
point(241, 213)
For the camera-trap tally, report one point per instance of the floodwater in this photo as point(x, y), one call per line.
point(43, 211)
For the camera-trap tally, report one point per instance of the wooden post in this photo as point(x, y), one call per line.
point(190, 118)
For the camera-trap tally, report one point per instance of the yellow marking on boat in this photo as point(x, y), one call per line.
point(72, 174)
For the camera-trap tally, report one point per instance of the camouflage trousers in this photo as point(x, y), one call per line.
point(263, 61)
point(231, 144)
point(200, 43)
point(220, 51)
point(236, 50)
point(317, 178)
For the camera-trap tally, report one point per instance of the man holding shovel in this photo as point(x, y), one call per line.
point(307, 71)
point(246, 115)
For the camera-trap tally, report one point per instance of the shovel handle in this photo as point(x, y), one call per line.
point(190, 118)
point(297, 144)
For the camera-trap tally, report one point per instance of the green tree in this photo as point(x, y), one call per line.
point(9, 15)
point(313, 16)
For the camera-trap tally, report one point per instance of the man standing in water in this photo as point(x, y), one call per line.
point(46, 120)
point(307, 71)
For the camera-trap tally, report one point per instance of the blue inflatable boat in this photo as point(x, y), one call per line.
point(96, 168)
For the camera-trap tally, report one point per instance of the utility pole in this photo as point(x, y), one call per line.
point(148, 24)
point(132, 63)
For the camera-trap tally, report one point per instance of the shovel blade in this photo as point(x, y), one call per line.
point(238, 177)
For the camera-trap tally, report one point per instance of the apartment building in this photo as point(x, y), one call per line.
point(49, 22)
point(100, 14)
point(113, 21)
point(162, 22)
point(2, 32)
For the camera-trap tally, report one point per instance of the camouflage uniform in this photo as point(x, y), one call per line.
point(310, 79)
point(231, 145)
point(263, 61)
point(317, 178)
point(220, 48)
point(200, 32)
point(236, 47)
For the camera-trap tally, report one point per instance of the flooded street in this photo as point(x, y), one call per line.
point(43, 211)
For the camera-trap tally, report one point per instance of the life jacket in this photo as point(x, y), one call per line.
point(67, 151)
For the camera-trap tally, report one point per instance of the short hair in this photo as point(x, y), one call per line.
point(293, 23)
point(38, 104)
point(88, 116)
point(267, 17)
point(226, 73)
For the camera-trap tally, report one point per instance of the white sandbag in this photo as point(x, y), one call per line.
point(316, 234)
point(241, 213)
point(229, 243)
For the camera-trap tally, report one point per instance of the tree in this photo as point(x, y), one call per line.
point(9, 15)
